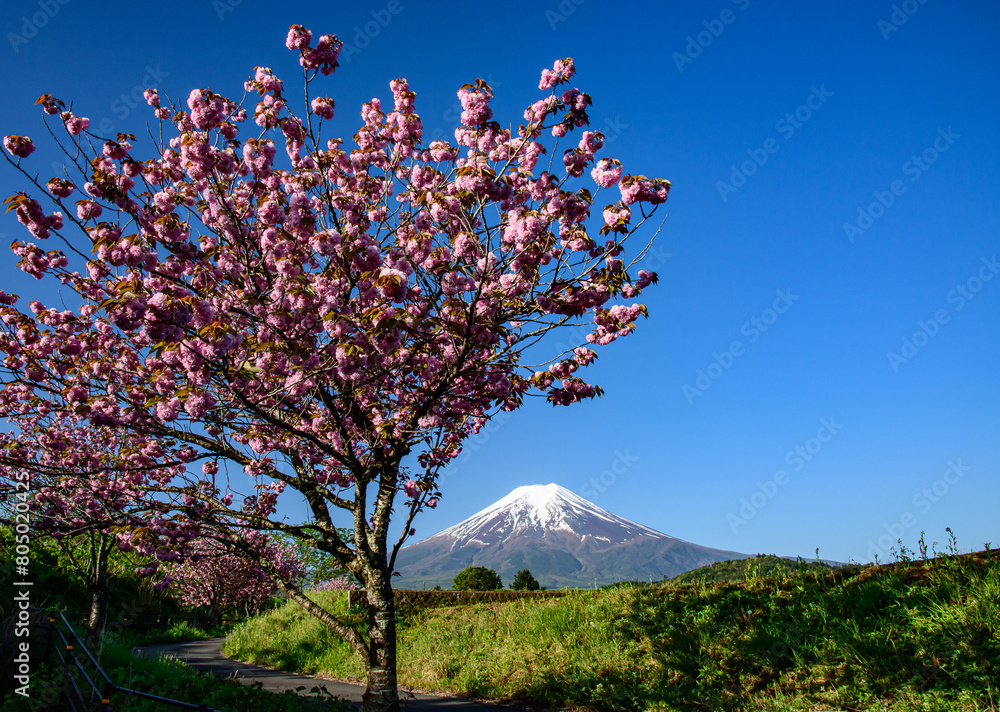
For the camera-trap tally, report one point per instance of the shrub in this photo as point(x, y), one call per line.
point(477, 578)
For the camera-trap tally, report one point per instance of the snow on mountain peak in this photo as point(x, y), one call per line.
point(533, 510)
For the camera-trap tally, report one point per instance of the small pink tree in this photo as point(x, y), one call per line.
point(222, 578)
point(336, 320)
point(339, 583)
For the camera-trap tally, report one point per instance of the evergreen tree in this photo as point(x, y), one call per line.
point(524, 581)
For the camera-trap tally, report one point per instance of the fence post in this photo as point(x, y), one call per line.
point(106, 697)
point(48, 640)
point(66, 674)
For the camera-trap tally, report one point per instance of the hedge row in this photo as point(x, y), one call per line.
point(433, 599)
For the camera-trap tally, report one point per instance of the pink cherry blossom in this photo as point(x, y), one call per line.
point(226, 576)
point(607, 172)
point(20, 146)
point(322, 107)
point(561, 72)
point(60, 187)
point(323, 56)
point(87, 209)
point(298, 37)
point(639, 189)
point(475, 101)
point(75, 124)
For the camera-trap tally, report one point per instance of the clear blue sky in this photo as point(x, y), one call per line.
point(776, 130)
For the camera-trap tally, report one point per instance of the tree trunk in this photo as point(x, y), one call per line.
point(98, 589)
point(382, 694)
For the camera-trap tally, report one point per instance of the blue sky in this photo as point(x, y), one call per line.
point(834, 172)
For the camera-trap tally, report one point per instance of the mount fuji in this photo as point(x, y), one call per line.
point(564, 540)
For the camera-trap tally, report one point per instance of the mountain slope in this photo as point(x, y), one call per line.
point(562, 538)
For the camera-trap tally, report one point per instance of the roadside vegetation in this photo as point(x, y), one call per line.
point(133, 605)
point(907, 636)
point(164, 678)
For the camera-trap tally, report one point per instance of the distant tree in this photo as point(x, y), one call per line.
point(477, 578)
point(340, 583)
point(524, 581)
point(225, 578)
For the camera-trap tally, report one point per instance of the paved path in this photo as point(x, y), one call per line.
point(207, 655)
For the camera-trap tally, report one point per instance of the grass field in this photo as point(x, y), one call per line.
point(914, 635)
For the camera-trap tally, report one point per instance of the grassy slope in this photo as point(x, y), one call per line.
point(920, 636)
point(742, 569)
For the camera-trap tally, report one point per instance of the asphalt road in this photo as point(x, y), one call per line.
point(207, 655)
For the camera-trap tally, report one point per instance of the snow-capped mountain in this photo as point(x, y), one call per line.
point(563, 539)
point(540, 511)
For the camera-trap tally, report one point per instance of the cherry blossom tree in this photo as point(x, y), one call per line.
point(218, 576)
point(88, 495)
point(334, 320)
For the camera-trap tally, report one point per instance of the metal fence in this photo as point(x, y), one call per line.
point(85, 687)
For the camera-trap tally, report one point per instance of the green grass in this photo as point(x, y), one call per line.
point(903, 637)
point(177, 632)
point(290, 639)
